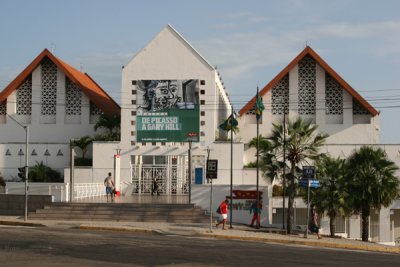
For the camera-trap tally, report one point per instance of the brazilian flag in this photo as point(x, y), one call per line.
point(229, 124)
point(259, 106)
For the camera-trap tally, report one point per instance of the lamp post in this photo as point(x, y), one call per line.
point(26, 128)
point(26, 171)
point(282, 102)
point(117, 164)
point(284, 168)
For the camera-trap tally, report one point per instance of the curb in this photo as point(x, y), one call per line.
point(118, 229)
point(22, 223)
point(366, 247)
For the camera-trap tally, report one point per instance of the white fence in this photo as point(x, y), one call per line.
point(59, 191)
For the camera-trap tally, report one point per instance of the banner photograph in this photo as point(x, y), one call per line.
point(168, 111)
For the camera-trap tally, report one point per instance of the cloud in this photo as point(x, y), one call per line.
point(240, 53)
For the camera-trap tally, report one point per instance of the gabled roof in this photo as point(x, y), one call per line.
point(309, 51)
point(180, 38)
point(85, 83)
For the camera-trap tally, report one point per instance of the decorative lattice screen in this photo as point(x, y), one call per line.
point(307, 86)
point(24, 97)
point(73, 98)
point(280, 97)
point(358, 109)
point(94, 110)
point(3, 108)
point(49, 87)
point(333, 96)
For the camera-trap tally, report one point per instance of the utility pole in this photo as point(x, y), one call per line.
point(26, 171)
point(211, 192)
point(190, 171)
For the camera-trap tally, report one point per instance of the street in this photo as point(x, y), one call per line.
point(42, 246)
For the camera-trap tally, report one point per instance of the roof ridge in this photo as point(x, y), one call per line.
point(309, 51)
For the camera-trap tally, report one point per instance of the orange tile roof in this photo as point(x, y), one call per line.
point(87, 85)
point(309, 51)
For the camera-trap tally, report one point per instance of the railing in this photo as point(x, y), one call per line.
point(59, 191)
point(85, 190)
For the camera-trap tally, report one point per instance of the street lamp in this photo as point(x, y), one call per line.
point(282, 101)
point(26, 128)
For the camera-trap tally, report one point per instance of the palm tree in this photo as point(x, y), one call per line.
point(83, 144)
point(269, 163)
point(371, 183)
point(330, 197)
point(112, 124)
point(302, 145)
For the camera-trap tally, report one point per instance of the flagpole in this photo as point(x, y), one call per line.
point(258, 144)
point(230, 210)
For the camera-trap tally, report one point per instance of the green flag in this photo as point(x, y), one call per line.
point(229, 124)
point(259, 106)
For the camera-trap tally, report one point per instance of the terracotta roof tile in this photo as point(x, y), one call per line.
point(87, 85)
point(309, 51)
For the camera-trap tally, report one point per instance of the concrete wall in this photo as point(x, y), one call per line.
point(201, 195)
point(15, 204)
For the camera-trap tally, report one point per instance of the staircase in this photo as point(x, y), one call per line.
point(134, 212)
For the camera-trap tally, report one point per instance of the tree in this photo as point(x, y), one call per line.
point(302, 145)
point(269, 163)
point(44, 174)
point(112, 125)
point(330, 196)
point(83, 144)
point(370, 183)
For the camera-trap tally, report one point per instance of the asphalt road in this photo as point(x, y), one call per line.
point(22, 246)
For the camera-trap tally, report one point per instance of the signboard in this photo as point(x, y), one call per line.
point(167, 111)
point(308, 172)
point(313, 183)
point(212, 169)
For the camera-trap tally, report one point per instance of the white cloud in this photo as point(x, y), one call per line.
point(239, 54)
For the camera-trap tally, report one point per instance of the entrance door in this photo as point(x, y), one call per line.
point(170, 171)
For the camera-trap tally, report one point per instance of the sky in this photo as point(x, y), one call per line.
point(249, 42)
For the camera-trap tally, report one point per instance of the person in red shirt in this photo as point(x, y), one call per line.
point(224, 213)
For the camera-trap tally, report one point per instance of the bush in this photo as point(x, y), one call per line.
point(44, 174)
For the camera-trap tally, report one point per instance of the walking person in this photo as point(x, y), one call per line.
point(256, 213)
point(155, 187)
point(223, 207)
point(313, 223)
point(109, 184)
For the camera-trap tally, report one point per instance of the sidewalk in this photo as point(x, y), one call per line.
point(239, 232)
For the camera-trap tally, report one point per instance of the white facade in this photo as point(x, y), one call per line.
point(309, 88)
point(170, 57)
point(52, 99)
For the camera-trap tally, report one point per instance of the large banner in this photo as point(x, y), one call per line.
point(167, 111)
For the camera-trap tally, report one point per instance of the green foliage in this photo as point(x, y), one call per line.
point(370, 183)
point(2, 181)
point(252, 164)
point(302, 145)
point(112, 125)
point(83, 143)
point(330, 196)
point(277, 191)
point(44, 174)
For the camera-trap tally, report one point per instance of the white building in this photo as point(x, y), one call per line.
point(308, 87)
point(173, 98)
point(58, 103)
point(168, 74)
